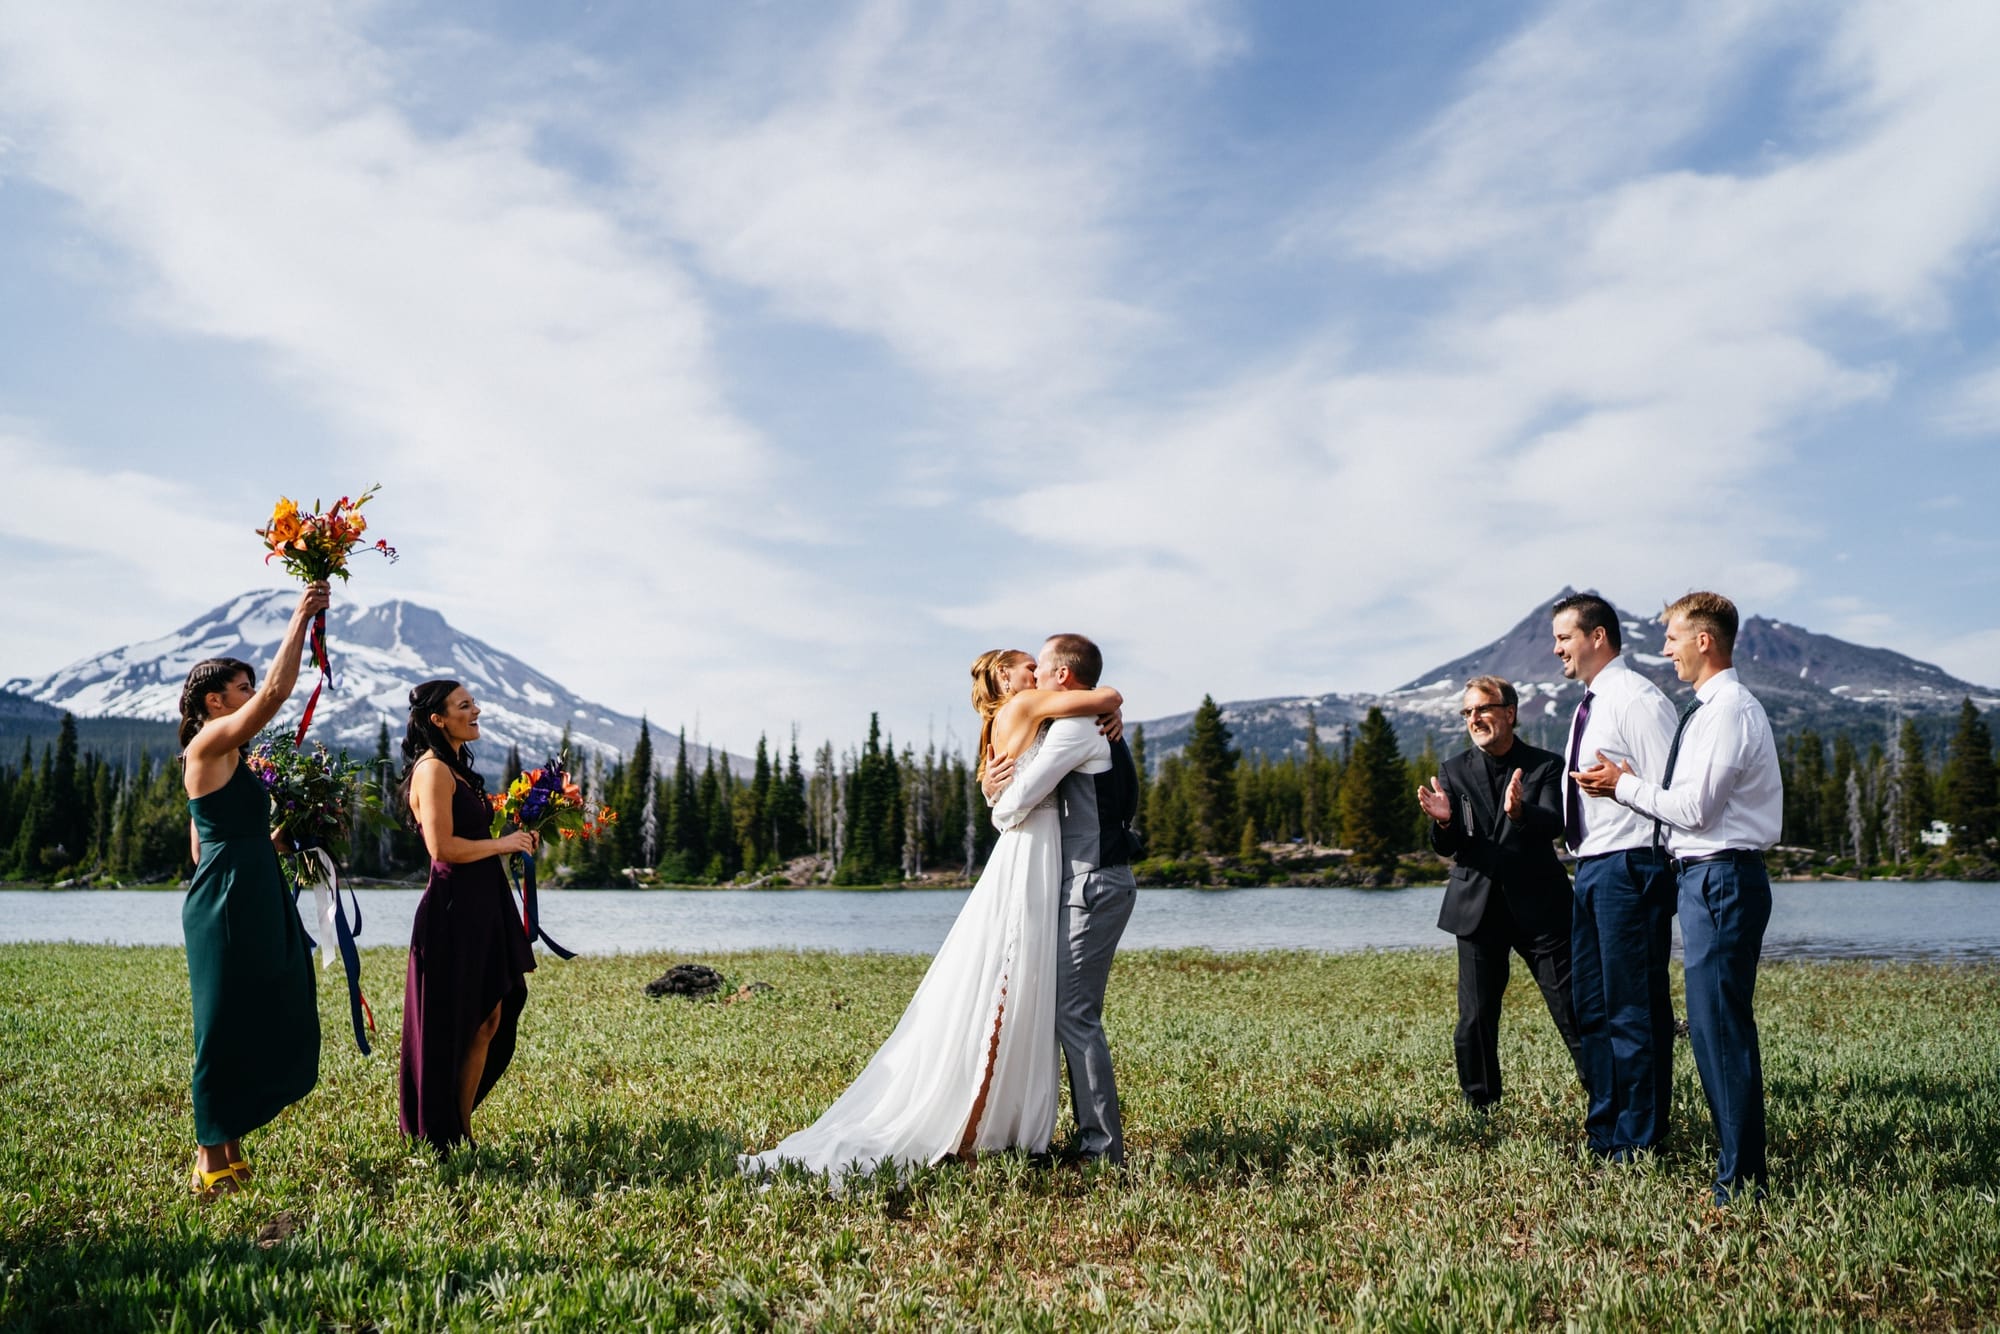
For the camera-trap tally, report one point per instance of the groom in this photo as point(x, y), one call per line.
point(1097, 797)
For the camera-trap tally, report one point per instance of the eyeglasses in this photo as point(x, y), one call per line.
point(1481, 709)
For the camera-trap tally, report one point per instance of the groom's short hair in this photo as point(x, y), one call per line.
point(1078, 654)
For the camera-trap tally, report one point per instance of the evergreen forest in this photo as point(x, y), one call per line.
point(1923, 799)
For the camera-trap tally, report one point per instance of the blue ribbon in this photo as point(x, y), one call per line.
point(350, 962)
point(358, 1009)
point(531, 913)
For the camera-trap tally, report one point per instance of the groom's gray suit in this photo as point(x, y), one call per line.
point(1096, 790)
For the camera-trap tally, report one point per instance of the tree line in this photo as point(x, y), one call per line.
point(879, 814)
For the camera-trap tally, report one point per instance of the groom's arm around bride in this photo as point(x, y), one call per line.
point(1096, 787)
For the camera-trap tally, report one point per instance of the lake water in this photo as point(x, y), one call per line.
point(1938, 920)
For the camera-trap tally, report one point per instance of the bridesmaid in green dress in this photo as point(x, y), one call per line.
point(256, 1018)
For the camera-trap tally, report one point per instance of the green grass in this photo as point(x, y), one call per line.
point(1300, 1158)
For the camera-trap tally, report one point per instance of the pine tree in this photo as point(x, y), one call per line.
point(1422, 770)
point(1168, 822)
point(752, 814)
point(1971, 804)
point(1913, 789)
point(687, 832)
point(874, 821)
point(68, 833)
point(1373, 799)
point(789, 837)
point(1803, 782)
point(1208, 764)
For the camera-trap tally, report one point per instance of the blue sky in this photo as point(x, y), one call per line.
point(751, 364)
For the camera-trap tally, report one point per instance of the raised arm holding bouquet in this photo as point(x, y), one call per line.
point(315, 547)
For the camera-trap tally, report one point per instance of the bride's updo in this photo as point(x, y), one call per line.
point(989, 692)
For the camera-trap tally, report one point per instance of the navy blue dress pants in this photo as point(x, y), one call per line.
point(1724, 909)
point(1620, 938)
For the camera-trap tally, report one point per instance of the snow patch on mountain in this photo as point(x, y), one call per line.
point(379, 652)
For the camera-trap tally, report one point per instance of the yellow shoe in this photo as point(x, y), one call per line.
point(207, 1185)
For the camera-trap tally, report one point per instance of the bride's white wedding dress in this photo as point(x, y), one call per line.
point(978, 1035)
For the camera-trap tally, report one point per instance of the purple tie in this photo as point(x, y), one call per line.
point(1572, 798)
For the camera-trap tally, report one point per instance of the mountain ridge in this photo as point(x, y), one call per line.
point(1804, 679)
point(378, 652)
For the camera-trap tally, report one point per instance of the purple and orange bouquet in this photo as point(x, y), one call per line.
point(312, 795)
point(547, 798)
point(316, 546)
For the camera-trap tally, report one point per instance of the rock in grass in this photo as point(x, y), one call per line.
point(686, 979)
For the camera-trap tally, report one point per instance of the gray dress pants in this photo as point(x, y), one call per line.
point(1095, 908)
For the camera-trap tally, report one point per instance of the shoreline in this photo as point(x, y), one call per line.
point(366, 885)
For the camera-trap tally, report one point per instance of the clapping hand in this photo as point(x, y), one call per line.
point(1435, 801)
point(1515, 804)
point(1601, 779)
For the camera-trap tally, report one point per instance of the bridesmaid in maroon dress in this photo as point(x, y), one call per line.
point(469, 957)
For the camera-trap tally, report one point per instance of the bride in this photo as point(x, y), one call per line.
point(971, 1066)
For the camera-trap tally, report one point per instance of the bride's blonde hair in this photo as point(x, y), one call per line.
point(989, 692)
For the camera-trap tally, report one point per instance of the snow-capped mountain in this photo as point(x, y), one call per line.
point(1803, 679)
point(378, 653)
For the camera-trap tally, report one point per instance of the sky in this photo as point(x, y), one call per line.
point(760, 364)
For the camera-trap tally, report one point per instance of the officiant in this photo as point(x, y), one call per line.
point(1496, 810)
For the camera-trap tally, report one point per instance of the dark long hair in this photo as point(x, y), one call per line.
point(423, 737)
point(205, 678)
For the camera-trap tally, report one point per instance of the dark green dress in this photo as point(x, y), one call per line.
point(256, 1018)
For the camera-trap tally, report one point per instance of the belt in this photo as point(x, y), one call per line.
point(1741, 856)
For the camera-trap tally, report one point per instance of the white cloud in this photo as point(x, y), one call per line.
point(946, 178)
point(1619, 344)
point(535, 383)
point(1971, 407)
point(1614, 399)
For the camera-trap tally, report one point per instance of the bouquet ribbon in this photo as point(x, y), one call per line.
point(340, 937)
point(531, 914)
point(325, 665)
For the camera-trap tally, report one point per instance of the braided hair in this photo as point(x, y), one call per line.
point(207, 677)
point(423, 737)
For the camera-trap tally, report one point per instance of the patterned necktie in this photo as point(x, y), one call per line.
point(1572, 798)
point(1673, 758)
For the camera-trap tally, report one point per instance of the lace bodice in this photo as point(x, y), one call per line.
point(1025, 759)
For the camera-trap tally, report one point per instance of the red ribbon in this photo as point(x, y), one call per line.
point(325, 670)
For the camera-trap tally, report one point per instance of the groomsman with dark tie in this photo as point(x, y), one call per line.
point(1722, 802)
point(1622, 931)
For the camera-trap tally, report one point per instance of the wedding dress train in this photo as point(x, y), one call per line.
point(972, 1063)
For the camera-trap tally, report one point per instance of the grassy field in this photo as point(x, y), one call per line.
point(1300, 1159)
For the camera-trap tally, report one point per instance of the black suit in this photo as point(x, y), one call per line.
point(1508, 894)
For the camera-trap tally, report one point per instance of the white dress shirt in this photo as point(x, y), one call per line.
point(1071, 745)
point(1726, 791)
point(1629, 719)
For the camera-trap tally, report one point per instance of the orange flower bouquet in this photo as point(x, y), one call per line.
point(314, 547)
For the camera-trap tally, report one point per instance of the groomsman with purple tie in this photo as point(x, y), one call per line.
point(1622, 928)
point(1722, 802)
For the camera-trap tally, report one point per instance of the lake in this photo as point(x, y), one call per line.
point(1936, 920)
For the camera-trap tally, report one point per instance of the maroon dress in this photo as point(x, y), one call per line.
point(468, 953)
